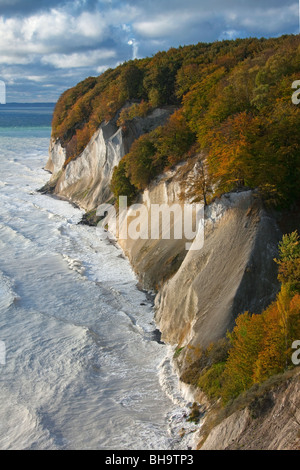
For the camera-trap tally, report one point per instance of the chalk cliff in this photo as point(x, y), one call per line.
point(86, 179)
point(199, 293)
point(232, 273)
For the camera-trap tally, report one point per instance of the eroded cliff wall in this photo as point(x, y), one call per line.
point(201, 292)
point(86, 179)
point(232, 273)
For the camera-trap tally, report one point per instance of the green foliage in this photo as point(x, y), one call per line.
point(160, 78)
point(177, 352)
point(139, 162)
point(135, 110)
point(175, 140)
point(131, 82)
point(289, 261)
point(233, 99)
point(210, 381)
point(206, 366)
point(120, 183)
point(153, 152)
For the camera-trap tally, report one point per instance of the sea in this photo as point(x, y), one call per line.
point(81, 364)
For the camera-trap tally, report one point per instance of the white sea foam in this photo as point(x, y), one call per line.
point(81, 338)
point(74, 264)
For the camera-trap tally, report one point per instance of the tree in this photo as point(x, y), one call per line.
point(120, 183)
point(246, 340)
point(131, 82)
point(231, 159)
point(289, 261)
point(195, 181)
point(139, 162)
point(175, 139)
point(159, 82)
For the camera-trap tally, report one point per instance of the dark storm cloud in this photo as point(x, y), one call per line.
point(53, 44)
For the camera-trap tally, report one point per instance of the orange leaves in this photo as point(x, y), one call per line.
point(246, 340)
point(175, 139)
point(230, 158)
point(236, 101)
point(261, 344)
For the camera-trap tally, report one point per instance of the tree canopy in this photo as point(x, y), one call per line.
point(233, 101)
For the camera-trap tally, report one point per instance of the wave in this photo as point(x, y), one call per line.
point(183, 432)
point(7, 294)
point(74, 264)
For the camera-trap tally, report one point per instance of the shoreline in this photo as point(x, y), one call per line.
point(179, 421)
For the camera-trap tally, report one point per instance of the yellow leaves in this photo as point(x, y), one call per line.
point(261, 344)
point(135, 110)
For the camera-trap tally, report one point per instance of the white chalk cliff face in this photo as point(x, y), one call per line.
point(232, 273)
point(86, 179)
point(201, 292)
point(57, 156)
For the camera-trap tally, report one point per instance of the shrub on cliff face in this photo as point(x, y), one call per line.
point(120, 183)
point(135, 110)
point(139, 162)
point(289, 261)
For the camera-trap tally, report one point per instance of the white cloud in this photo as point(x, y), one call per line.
point(187, 18)
point(269, 19)
point(83, 59)
point(166, 25)
point(60, 24)
point(22, 40)
point(101, 69)
point(36, 78)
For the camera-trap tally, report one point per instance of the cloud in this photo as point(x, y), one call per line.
point(68, 40)
point(36, 31)
point(75, 60)
point(207, 19)
point(36, 78)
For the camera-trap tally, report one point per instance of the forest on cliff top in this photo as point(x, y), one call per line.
point(232, 108)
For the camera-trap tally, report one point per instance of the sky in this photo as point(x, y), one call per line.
point(48, 46)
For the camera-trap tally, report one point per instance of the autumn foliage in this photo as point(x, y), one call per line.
point(260, 345)
point(233, 100)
